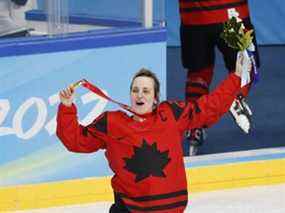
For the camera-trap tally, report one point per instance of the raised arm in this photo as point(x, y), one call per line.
point(75, 137)
point(209, 108)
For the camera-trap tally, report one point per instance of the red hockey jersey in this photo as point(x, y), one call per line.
point(200, 12)
point(146, 157)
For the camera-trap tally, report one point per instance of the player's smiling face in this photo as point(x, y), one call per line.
point(142, 95)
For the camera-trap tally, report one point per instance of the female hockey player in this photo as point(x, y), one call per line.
point(144, 149)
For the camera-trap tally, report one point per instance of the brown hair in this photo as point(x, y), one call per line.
point(147, 73)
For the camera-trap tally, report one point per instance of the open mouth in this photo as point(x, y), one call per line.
point(139, 103)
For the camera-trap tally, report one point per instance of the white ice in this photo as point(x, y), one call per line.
point(257, 199)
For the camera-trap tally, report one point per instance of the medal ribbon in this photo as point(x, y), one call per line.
point(91, 87)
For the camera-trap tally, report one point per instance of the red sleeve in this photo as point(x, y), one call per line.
point(209, 108)
point(78, 138)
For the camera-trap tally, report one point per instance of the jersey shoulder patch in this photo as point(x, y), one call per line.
point(177, 108)
point(100, 123)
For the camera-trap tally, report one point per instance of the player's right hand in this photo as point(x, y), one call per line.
point(66, 96)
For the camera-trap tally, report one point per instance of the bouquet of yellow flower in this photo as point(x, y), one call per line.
point(237, 37)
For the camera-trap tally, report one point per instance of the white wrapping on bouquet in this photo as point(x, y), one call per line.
point(247, 63)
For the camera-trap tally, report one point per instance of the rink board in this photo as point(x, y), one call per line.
point(205, 174)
